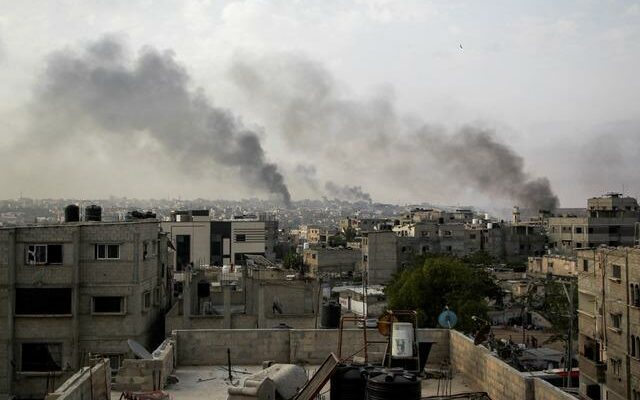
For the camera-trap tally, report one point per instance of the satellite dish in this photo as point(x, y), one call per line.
point(139, 350)
point(447, 319)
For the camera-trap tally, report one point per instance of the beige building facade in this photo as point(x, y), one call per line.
point(72, 289)
point(609, 322)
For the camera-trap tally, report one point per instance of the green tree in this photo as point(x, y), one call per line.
point(438, 281)
point(293, 260)
point(349, 233)
point(556, 309)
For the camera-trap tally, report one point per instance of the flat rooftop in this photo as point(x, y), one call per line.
point(211, 382)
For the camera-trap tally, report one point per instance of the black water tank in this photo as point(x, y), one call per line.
point(348, 383)
point(93, 213)
point(330, 315)
point(394, 385)
point(71, 213)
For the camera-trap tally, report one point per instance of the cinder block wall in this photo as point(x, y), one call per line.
point(494, 376)
point(545, 391)
point(88, 383)
point(311, 346)
point(147, 375)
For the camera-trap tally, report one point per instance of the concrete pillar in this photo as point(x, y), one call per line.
point(11, 298)
point(186, 300)
point(261, 318)
point(75, 300)
point(226, 294)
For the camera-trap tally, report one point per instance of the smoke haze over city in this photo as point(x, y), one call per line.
point(363, 101)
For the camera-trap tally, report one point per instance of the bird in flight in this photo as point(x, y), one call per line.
point(461, 48)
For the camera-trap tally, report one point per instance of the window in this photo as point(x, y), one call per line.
point(448, 248)
point(44, 254)
point(578, 229)
point(108, 305)
point(472, 236)
point(107, 251)
point(585, 265)
point(633, 346)
point(578, 245)
point(241, 238)
point(115, 360)
point(616, 321)
point(447, 233)
point(616, 271)
point(156, 295)
point(145, 250)
point(43, 301)
point(616, 366)
point(146, 300)
point(365, 257)
point(590, 230)
point(313, 256)
point(41, 357)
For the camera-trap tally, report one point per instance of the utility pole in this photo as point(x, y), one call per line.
point(569, 355)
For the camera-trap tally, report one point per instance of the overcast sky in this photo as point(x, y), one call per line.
point(556, 82)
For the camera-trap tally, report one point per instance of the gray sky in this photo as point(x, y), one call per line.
point(554, 81)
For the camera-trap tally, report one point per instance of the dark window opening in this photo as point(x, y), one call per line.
point(183, 251)
point(578, 229)
point(44, 254)
point(241, 238)
point(616, 271)
point(108, 305)
point(585, 265)
point(41, 357)
point(43, 301)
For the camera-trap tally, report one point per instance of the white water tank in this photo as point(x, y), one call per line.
point(474, 221)
point(489, 225)
point(402, 340)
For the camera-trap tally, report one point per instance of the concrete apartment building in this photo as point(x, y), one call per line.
point(609, 322)
point(202, 241)
point(385, 252)
point(76, 288)
point(260, 296)
point(552, 265)
point(323, 261)
point(608, 220)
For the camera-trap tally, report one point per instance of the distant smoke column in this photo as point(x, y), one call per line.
point(306, 102)
point(349, 193)
point(101, 88)
point(477, 158)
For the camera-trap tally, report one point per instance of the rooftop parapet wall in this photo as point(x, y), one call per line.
point(309, 346)
point(147, 375)
point(494, 376)
point(88, 383)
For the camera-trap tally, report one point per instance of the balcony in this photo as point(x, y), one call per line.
point(595, 370)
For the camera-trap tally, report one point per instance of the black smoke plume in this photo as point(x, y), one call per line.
point(101, 89)
point(346, 192)
point(369, 138)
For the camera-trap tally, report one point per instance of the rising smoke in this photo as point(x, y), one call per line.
point(346, 192)
point(101, 89)
point(308, 106)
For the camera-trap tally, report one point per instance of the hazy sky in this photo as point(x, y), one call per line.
point(557, 82)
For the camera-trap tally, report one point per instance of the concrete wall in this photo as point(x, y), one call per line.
point(497, 378)
point(88, 383)
point(543, 390)
point(252, 346)
point(147, 375)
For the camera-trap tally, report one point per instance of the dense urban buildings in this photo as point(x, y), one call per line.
point(609, 220)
